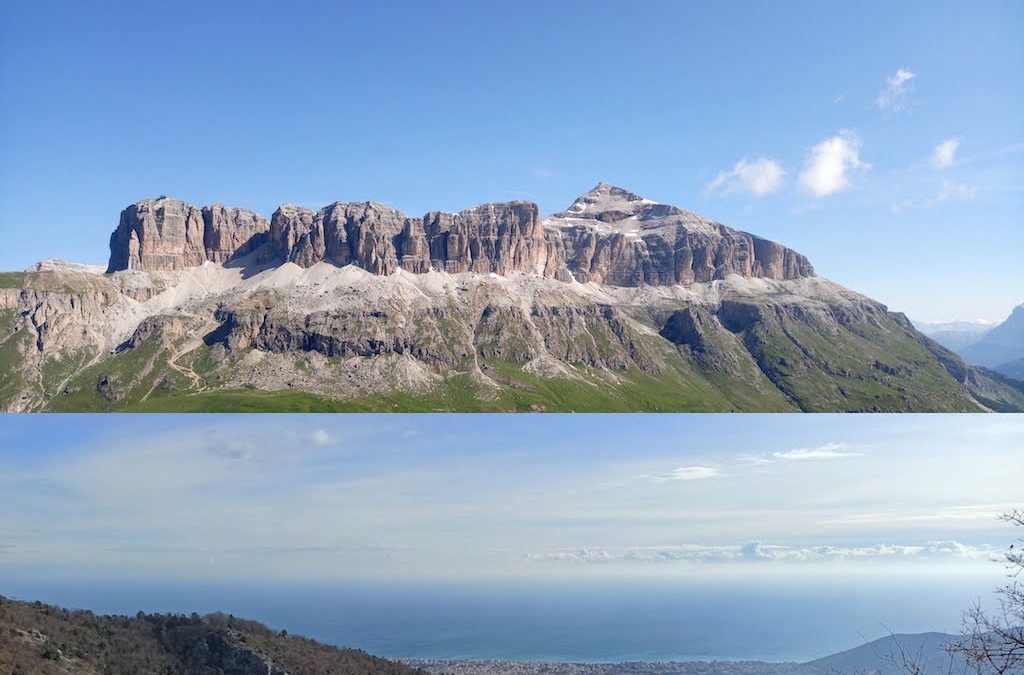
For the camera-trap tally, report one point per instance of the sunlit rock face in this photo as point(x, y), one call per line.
point(169, 234)
point(608, 236)
point(612, 236)
point(158, 234)
point(230, 232)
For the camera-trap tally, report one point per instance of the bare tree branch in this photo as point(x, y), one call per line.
point(993, 642)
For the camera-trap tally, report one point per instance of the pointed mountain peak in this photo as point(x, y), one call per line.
point(604, 198)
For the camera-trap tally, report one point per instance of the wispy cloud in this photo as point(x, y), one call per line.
point(758, 551)
point(229, 446)
point(826, 451)
point(374, 503)
point(895, 95)
point(760, 177)
point(971, 512)
point(959, 191)
point(949, 191)
point(320, 437)
point(311, 549)
point(944, 155)
point(686, 473)
point(830, 164)
point(831, 450)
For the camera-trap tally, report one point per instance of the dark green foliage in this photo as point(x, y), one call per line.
point(38, 639)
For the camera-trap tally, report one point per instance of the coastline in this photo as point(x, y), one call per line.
point(715, 667)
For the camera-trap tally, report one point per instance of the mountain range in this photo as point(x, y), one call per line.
point(954, 334)
point(618, 303)
point(999, 347)
point(40, 639)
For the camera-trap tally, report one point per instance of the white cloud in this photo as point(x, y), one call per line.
point(760, 177)
point(829, 164)
point(754, 460)
point(896, 91)
point(944, 155)
point(826, 451)
point(685, 473)
point(949, 190)
point(971, 512)
point(229, 446)
point(959, 191)
point(753, 550)
point(693, 473)
point(756, 551)
point(320, 437)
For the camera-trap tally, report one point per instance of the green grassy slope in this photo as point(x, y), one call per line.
point(859, 367)
point(752, 355)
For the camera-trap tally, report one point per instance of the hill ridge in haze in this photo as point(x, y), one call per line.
point(39, 639)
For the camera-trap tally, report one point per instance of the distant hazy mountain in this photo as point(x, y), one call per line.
point(954, 335)
point(882, 656)
point(1002, 347)
point(999, 347)
point(879, 657)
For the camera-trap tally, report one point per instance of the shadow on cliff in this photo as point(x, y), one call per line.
point(254, 256)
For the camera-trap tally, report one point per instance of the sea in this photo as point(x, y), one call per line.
point(612, 621)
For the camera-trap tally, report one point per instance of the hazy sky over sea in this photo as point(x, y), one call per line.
point(884, 140)
point(303, 498)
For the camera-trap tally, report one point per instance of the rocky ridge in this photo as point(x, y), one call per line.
point(358, 307)
point(609, 236)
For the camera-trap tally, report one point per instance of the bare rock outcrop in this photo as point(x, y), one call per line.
point(288, 224)
point(361, 234)
point(230, 232)
point(169, 234)
point(446, 337)
point(158, 234)
point(612, 236)
point(608, 236)
point(492, 238)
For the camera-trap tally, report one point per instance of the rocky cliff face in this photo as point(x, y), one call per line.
point(168, 234)
point(78, 339)
point(612, 236)
point(609, 236)
point(231, 232)
point(498, 238)
point(475, 310)
point(158, 234)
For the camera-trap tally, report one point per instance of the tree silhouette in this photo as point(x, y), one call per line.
point(993, 641)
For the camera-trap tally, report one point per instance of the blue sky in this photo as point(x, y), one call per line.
point(407, 497)
point(817, 124)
